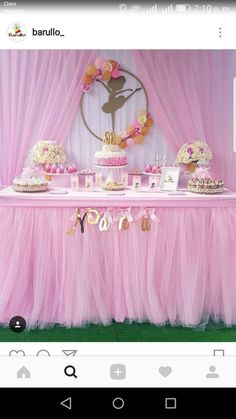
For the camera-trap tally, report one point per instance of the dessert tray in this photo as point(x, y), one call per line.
point(207, 186)
point(208, 191)
point(30, 188)
point(111, 185)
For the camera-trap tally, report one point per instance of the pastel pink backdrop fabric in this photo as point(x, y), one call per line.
point(36, 101)
point(191, 94)
point(182, 271)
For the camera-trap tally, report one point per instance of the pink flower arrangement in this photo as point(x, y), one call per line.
point(137, 130)
point(101, 69)
point(192, 152)
point(48, 151)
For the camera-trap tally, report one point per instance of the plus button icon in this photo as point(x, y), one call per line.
point(117, 372)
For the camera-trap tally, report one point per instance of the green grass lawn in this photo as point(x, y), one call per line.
point(123, 332)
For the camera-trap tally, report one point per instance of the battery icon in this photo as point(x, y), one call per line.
point(181, 8)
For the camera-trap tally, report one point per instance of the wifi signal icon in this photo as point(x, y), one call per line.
point(153, 9)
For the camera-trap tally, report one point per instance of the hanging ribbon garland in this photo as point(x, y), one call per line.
point(77, 218)
point(146, 215)
point(93, 216)
point(105, 221)
point(146, 225)
point(123, 218)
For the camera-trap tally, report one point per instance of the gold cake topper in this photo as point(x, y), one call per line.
point(111, 138)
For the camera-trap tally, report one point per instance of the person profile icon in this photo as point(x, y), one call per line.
point(17, 324)
point(212, 372)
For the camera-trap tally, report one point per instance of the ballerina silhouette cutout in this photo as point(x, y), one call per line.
point(115, 99)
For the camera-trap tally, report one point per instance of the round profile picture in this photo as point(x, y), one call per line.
point(16, 32)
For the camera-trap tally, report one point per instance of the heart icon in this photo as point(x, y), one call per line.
point(165, 371)
point(17, 353)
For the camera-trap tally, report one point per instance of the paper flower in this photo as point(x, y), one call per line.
point(142, 119)
point(138, 130)
point(99, 74)
point(101, 69)
point(107, 66)
point(85, 88)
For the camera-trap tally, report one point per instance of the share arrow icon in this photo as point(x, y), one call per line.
point(69, 352)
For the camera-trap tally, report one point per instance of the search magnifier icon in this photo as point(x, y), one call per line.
point(70, 371)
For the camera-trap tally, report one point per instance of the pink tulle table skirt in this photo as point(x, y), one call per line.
point(182, 271)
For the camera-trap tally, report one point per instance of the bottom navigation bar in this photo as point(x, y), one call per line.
point(122, 402)
point(150, 371)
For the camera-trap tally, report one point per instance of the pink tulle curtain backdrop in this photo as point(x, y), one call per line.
point(191, 97)
point(36, 101)
point(191, 94)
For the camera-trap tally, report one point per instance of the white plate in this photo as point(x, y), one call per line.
point(58, 191)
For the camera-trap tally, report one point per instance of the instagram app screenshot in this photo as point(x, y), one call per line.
point(118, 208)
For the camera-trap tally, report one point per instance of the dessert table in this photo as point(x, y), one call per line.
point(181, 271)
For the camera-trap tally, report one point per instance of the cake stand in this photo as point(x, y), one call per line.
point(59, 179)
point(111, 170)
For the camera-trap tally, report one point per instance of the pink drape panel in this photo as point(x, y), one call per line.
point(36, 101)
point(191, 94)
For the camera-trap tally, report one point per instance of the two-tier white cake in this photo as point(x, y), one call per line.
point(111, 154)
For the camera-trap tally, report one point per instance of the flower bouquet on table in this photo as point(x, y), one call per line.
point(50, 158)
point(190, 153)
point(48, 152)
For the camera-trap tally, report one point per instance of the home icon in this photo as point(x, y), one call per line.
point(23, 373)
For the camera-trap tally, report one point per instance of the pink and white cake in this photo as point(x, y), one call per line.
point(110, 155)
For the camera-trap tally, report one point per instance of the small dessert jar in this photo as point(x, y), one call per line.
point(74, 181)
point(98, 179)
point(89, 183)
point(136, 186)
point(154, 183)
point(124, 178)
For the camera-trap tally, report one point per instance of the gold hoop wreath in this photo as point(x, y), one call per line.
point(110, 75)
